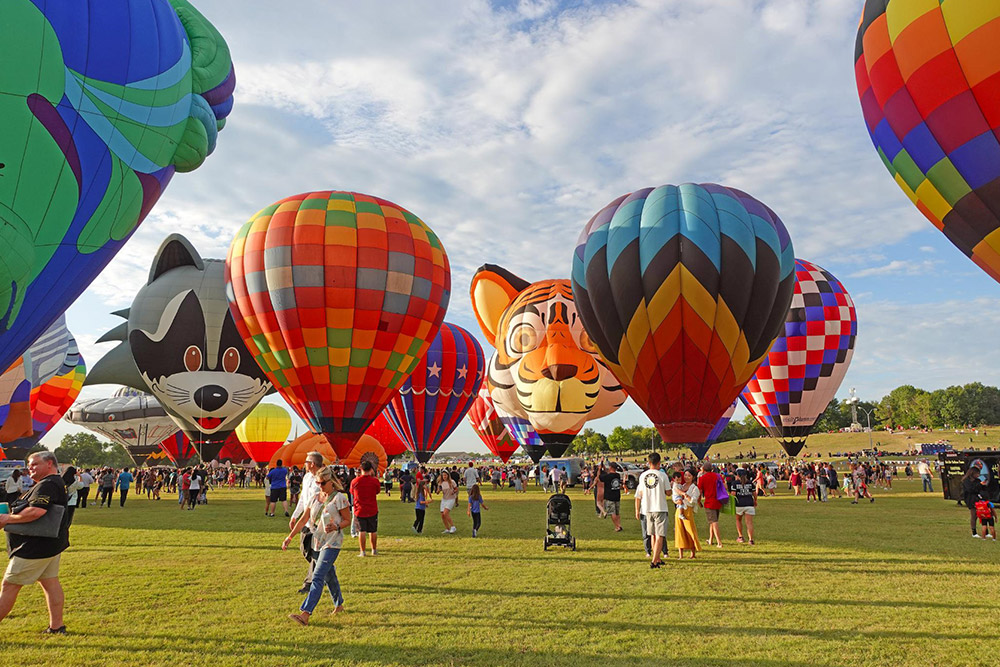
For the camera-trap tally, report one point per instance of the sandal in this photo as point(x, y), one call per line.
point(298, 619)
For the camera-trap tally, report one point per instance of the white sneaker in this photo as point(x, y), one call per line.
point(474, 533)
point(374, 552)
point(977, 536)
point(448, 532)
point(361, 555)
point(454, 529)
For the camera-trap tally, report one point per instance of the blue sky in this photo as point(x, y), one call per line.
point(505, 126)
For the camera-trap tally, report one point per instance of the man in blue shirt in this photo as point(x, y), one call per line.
point(123, 483)
point(278, 477)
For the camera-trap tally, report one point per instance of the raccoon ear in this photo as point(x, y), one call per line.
point(493, 289)
point(175, 251)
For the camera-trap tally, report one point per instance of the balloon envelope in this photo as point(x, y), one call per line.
point(701, 449)
point(387, 436)
point(928, 77)
point(367, 449)
point(433, 400)
point(338, 296)
point(134, 420)
point(101, 103)
point(264, 430)
point(233, 450)
point(489, 427)
point(807, 362)
point(178, 449)
point(294, 453)
point(523, 433)
point(683, 289)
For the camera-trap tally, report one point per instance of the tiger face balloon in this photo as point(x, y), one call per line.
point(545, 368)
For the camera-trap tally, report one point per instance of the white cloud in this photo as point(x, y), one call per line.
point(903, 267)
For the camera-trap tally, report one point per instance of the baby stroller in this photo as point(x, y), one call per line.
point(557, 523)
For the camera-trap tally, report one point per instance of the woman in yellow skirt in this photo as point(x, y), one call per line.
point(685, 496)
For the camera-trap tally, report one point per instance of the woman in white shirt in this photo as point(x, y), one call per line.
point(327, 514)
point(12, 487)
point(685, 497)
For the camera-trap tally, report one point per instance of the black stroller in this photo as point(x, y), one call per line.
point(557, 523)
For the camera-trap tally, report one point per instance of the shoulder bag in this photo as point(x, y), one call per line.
point(46, 526)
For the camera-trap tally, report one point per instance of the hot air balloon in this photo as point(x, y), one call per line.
point(134, 420)
point(338, 296)
point(101, 103)
point(490, 429)
point(367, 449)
point(15, 403)
point(433, 400)
point(700, 449)
point(180, 344)
point(178, 449)
point(294, 453)
point(683, 289)
point(233, 450)
point(263, 431)
point(523, 433)
point(807, 362)
point(544, 369)
point(52, 372)
point(928, 77)
point(382, 430)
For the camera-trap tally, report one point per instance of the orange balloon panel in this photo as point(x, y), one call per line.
point(367, 449)
point(295, 452)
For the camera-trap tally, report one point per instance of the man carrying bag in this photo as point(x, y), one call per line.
point(37, 534)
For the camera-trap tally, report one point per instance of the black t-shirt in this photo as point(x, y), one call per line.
point(743, 492)
point(612, 482)
point(48, 493)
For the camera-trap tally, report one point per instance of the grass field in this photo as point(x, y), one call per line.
point(825, 444)
point(892, 583)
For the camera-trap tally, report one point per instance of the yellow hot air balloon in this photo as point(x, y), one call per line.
point(264, 430)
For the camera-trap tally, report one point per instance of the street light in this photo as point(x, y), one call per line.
point(868, 414)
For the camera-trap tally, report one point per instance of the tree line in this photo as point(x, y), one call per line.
point(965, 406)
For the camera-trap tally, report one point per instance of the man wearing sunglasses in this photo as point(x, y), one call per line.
point(314, 461)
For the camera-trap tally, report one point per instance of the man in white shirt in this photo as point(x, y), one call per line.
point(314, 461)
point(925, 475)
point(471, 477)
point(86, 479)
point(651, 500)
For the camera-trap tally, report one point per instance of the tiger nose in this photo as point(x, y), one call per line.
point(211, 397)
point(559, 372)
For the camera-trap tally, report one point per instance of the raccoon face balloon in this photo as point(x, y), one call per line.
point(183, 347)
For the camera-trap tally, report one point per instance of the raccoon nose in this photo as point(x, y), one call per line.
point(559, 372)
point(211, 397)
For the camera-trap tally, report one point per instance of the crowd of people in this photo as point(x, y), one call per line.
point(323, 501)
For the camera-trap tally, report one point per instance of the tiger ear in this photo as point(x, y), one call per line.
point(493, 290)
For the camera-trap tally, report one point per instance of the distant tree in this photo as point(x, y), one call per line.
point(86, 449)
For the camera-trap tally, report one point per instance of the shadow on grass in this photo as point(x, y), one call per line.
point(312, 645)
point(668, 597)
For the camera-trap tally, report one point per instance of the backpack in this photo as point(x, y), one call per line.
point(983, 509)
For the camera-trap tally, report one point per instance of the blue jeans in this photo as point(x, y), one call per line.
point(926, 479)
point(324, 574)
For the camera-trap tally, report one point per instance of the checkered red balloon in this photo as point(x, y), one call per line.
point(807, 362)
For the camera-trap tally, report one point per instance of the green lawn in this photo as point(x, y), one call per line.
point(897, 582)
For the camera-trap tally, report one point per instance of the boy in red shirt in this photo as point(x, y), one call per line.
point(708, 484)
point(364, 491)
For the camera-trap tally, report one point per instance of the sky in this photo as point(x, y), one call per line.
point(505, 126)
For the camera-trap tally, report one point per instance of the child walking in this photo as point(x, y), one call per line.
point(475, 504)
point(987, 516)
point(811, 488)
point(423, 496)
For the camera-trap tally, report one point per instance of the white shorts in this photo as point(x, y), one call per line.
point(448, 505)
point(751, 510)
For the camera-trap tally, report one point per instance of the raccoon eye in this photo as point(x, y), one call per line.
point(523, 338)
point(586, 344)
point(231, 360)
point(192, 358)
